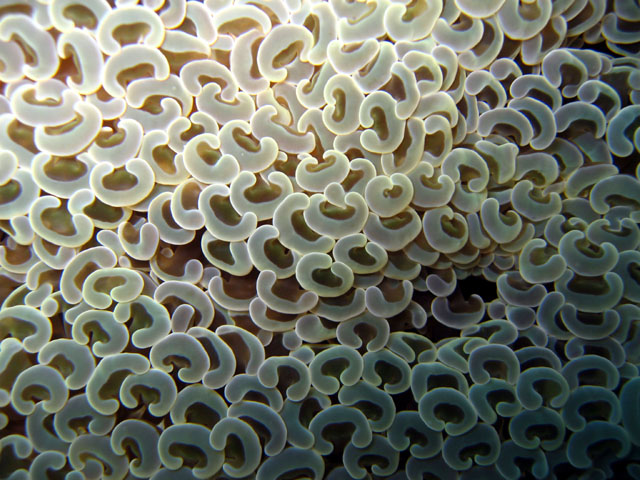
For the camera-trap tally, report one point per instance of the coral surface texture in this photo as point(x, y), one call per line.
point(308, 239)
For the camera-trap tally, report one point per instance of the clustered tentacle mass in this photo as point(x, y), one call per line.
point(244, 239)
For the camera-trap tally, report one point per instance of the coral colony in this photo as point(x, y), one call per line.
point(302, 239)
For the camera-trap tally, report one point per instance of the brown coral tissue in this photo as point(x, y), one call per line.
point(308, 239)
